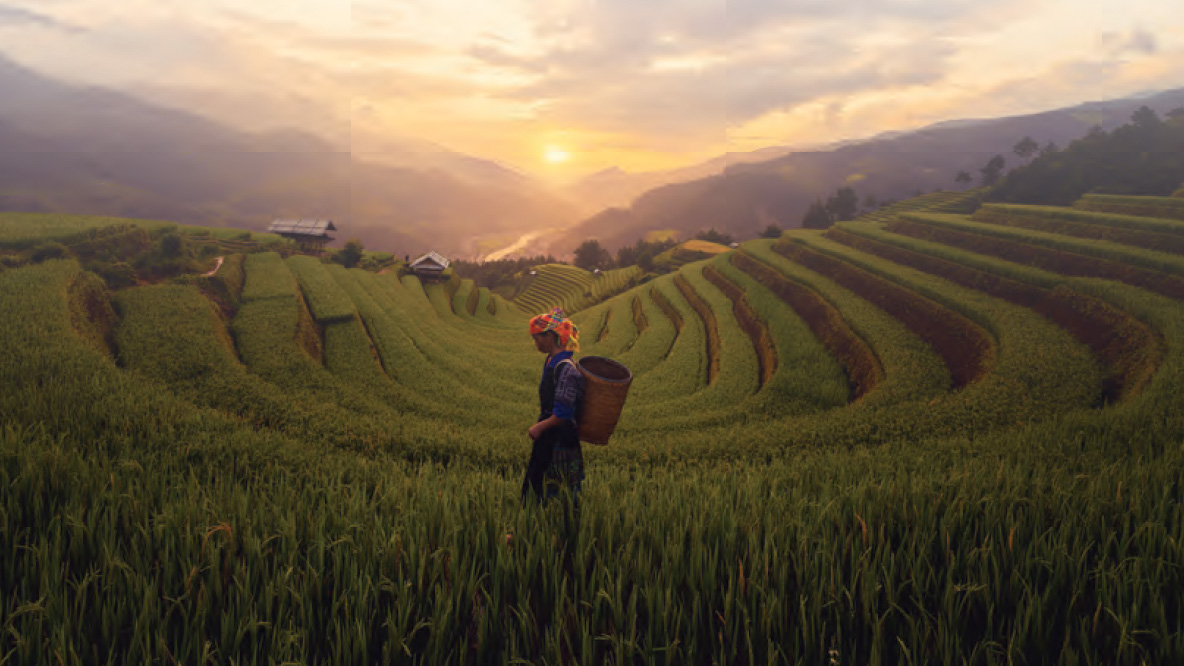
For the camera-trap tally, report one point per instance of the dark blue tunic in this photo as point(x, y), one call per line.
point(556, 459)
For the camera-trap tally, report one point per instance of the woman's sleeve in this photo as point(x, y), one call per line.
point(569, 390)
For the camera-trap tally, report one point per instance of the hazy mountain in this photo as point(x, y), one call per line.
point(615, 187)
point(746, 198)
point(96, 151)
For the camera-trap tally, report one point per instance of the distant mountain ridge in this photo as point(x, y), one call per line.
point(746, 198)
point(614, 187)
point(97, 151)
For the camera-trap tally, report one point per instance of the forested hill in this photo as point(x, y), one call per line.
point(1144, 157)
point(747, 198)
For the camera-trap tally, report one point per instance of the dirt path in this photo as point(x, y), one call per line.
point(217, 265)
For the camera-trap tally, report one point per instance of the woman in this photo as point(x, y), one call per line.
point(556, 460)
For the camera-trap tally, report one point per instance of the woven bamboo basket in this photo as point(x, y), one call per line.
point(606, 383)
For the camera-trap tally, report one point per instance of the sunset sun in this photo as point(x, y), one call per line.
point(556, 155)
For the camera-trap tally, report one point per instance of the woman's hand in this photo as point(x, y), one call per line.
point(539, 428)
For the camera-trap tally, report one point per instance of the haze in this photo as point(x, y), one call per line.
point(641, 86)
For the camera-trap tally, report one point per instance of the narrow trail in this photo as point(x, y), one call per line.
point(217, 265)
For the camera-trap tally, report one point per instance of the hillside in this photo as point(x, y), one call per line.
point(923, 436)
point(748, 197)
point(615, 187)
point(95, 151)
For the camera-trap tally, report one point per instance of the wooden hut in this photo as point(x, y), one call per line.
point(311, 235)
point(430, 265)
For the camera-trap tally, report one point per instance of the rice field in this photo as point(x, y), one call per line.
point(917, 437)
point(570, 287)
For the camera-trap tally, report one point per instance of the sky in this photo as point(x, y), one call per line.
point(560, 88)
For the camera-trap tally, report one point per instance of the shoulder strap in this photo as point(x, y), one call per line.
point(572, 364)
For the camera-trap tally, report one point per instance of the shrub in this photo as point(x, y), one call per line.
point(117, 275)
point(172, 245)
point(49, 251)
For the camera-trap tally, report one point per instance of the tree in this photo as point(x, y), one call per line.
point(713, 236)
point(843, 204)
point(172, 245)
point(645, 260)
point(993, 169)
point(1049, 148)
point(1176, 113)
point(870, 203)
point(1145, 117)
point(1026, 148)
point(817, 217)
point(771, 231)
point(627, 255)
point(590, 255)
point(963, 177)
point(350, 255)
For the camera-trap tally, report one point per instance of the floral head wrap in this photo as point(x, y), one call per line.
point(556, 320)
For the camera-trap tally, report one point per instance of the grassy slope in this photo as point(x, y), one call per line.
point(913, 524)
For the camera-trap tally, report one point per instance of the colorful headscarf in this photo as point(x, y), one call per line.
point(556, 320)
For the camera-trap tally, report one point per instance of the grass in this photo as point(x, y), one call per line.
point(182, 482)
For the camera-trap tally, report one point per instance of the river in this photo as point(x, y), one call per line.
point(518, 245)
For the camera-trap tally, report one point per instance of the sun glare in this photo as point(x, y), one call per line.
point(556, 155)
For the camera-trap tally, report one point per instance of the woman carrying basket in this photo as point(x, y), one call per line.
point(556, 460)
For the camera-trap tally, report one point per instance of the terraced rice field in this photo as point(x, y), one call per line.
point(918, 437)
point(570, 287)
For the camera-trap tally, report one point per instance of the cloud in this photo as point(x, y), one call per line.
point(711, 92)
point(18, 16)
point(705, 67)
point(1138, 42)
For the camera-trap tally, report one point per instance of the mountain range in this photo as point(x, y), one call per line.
point(66, 148)
point(748, 197)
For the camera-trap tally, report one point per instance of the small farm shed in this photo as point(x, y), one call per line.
point(311, 235)
point(430, 265)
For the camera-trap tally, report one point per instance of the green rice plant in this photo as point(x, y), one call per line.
point(208, 540)
point(616, 332)
point(1165, 207)
point(803, 376)
point(327, 301)
point(571, 287)
point(441, 301)
point(728, 351)
point(1058, 260)
point(1129, 349)
point(351, 356)
point(683, 369)
point(20, 231)
point(1002, 212)
point(464, 301)
point(1096, 229)
point(952, 202)
point(911, 368)
point(173, 334)
point(651, 347)
point(965, 347)
point(413, 358)
point(148, 513)
point(503, 350)
point(504, 310)
point(1107, 251)
point(1056, 371)
point(486, 312)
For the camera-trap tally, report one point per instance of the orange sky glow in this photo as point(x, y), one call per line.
point(640, 86)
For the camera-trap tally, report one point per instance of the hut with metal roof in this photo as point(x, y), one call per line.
point(430, 265)
point(311, 235)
